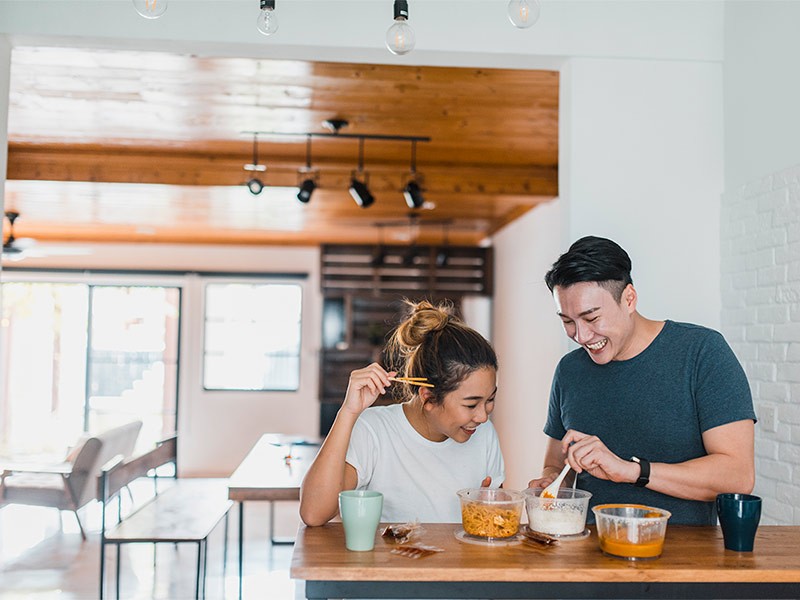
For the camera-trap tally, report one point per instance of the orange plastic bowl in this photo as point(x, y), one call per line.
point(631, 531)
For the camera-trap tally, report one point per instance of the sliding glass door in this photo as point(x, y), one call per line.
point(79, 357)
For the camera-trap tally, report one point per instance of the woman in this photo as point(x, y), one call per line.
point(421, 452)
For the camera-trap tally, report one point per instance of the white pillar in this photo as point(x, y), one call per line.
point(5, 73)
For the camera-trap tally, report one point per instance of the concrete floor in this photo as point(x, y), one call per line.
point(41, 561)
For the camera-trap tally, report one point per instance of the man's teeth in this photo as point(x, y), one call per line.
point(597, 345)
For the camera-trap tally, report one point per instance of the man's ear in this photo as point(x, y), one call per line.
point(630, 298)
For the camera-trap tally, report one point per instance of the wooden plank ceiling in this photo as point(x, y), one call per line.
point(150, 147)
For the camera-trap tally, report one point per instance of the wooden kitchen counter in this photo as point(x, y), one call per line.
point(694, 564)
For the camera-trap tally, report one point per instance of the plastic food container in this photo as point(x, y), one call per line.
point(491, 514)
point(564, 515)
point(631, 531)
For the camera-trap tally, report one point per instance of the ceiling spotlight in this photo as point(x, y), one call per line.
point(360, 193)
point(413, 195)
point(306, 189)
point(267, 22)
point(400, 37)
point(255, 186)
point(309, 183)
point(358, 189)
point(412, 191)
point(523, 13)
point(150, 9)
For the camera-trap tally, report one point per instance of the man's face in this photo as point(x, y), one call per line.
point(594, 319)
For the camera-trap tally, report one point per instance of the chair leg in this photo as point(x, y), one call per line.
point(80, 525)
point(118, 567)
point(102, 568)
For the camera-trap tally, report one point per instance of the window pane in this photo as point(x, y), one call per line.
point(133, 359)
point(252, 336)
point(44, 367)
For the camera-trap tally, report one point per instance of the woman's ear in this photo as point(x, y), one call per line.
point(425, 395)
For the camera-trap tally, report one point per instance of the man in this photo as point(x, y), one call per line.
point(650, 412)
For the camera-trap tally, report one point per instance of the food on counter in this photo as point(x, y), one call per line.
point(489, 521)
point(557, 520)
point(626, 548)
point(491, 513)
point(631, 531)
point(564, 515)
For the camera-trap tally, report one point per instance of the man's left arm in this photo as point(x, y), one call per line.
point(729, 466)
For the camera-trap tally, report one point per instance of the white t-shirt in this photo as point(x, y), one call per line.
point(417, 477)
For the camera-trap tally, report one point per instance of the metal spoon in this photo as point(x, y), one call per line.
point(551, 491)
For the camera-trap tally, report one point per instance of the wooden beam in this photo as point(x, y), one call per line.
point(180, 167)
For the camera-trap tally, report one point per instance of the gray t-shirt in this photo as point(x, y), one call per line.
point(655, 405)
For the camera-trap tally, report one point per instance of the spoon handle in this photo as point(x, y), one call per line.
point(551, 491)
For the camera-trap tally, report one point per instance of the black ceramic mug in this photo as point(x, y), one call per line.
point(739, 515)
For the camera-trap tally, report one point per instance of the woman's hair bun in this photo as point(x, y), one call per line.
point(423, 319)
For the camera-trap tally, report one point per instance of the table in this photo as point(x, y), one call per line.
point(273, 470)
point(694, 564)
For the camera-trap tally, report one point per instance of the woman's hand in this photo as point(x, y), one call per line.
point(548, 476)
point(364, 388)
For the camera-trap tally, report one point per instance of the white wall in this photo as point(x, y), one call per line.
point(761, 318)
point(762, 90)
point(640, 163)
point(5, 72)
point(645, 169)
point(453, 32)
point(761, 235)
point(528, 337)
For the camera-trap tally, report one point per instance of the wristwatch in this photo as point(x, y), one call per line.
point(644, 474)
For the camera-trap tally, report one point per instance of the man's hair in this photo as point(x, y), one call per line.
point(592, 259)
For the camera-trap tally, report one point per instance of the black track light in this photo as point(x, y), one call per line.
point(255, 186)
point(306, 189)
point(413, 195)
point(360, 193)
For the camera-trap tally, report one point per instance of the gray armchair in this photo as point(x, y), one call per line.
point(69, 485)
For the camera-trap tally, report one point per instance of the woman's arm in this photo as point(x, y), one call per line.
point(329, 474)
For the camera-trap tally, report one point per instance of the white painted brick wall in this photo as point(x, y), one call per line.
point(760, 285)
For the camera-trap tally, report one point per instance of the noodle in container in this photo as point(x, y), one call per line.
point(491, 514)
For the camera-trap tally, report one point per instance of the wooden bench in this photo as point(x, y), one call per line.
point(186, 511)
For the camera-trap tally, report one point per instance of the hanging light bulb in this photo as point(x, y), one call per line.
point(523, 13)
point(400, 37)
point(267, 22)
point(150, 9)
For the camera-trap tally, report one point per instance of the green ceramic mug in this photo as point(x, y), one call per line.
point(361, 513)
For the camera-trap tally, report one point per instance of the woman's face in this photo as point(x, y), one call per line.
point(463, 409)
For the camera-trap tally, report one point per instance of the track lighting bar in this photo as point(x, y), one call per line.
point(352, 136)
point(359, 180)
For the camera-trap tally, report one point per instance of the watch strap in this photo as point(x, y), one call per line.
point(644, 473)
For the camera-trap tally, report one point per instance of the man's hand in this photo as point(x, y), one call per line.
point(589, 453)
